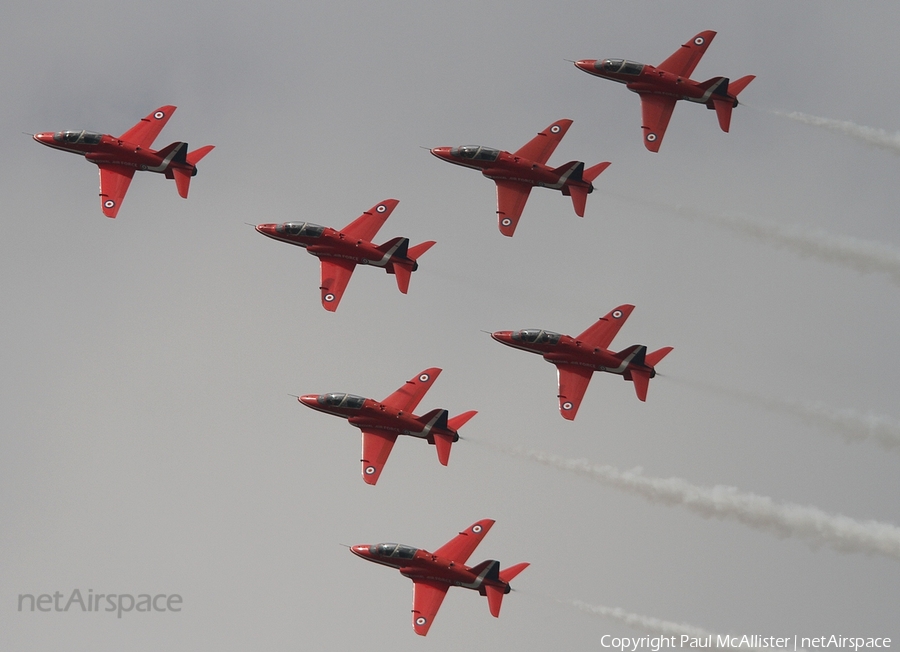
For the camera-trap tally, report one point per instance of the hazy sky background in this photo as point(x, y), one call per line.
point(149, 442)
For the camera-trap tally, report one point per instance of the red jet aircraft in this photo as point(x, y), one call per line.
point(434, 573)
point(341, 251)
point(382, 422)
point(577, 358)
point(516, 174)
point(662, 86)
point(118, 158)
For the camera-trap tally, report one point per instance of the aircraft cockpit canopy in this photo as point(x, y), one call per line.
point(341, 400)
point(306, 229)
point(79, 137)
point(393, 550)
point(536, 336)
point(621, 66)
point(476, 152)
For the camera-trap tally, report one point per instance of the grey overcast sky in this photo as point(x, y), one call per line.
point(149, 443)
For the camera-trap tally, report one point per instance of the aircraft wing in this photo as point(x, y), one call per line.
point(376, 447)
point(573, 382)
point(540, 148)
point(459, 548)
point(655, 113)
point(335, 274)
point(601, 333)
point(685, 59)
point(145, 132)
point(427, 598)
point(408, 396)
point(365, 227)
point(114, 182)
point(511, 198)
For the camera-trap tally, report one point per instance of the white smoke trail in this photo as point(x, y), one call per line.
point(650, 625)
point(783, 519)
point(639, 622)
point(852, 425)
point(868, 135)
point(861, 255)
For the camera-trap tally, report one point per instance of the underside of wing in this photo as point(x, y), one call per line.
point(685, 59)
point(573, 382)
point(366, 226)
point(427, 598)
point(461, 547)
point(407, 398)
point(376, 448)
point(601, 333)
point(511, 198)
point(655, 113)
point(114, 182)
point(336, 273)
point(540, 148)
point(145, 132)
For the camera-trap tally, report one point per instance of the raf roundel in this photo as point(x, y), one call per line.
point(567, 406)
point(698, 40)
point(506, 221)
point(159, 115)
point(370, 470)
point(617, 314)
point(421, 620)
point(424, 378)
point(329, 297)
point(381, 208)
point(554, 129)
point(651, 137)
point(476, 529)
point(109, 203)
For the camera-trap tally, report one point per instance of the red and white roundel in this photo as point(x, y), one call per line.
point(476, 529)
point(698, 40)
point(370, 470)
point(424, 378)
point(109, 203)
point(421, 620)
point(617, 314)
point(506, 221)
point(159, 115)
point(651, 137)
point(381, 208)
point(329, 297)
point(567, 406)
point(554, 129)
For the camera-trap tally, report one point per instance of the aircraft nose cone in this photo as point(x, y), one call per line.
point(265, 229)
point(360, 551)
point(43, 137)
point(441, 152)
point(586, 65)
point(501, 336)
point(309, 399)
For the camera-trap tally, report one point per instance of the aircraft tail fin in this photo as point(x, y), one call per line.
point(594, 171)
point(723, 107)
point(443, 441)
point(182, 181)
point(579, 193)
point(395, 246)
point(571, 171)
point(641, 380)
point(495, 593)
point(738, 85)
point(635, 354)
point(403, 271)
point(507, 575)
point(414, 252)
point(175, 152)
point(194, 157)
point(652, 359)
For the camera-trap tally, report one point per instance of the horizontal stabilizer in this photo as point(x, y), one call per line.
point(652, 359)
point(413, 253)
point(182, 181)
point(443, 443)
point(641, 380)
point(738, 85)
point(594, 171)
point(723, 107)
point(402, 273)
point(495, 599)
point(199, 153)
point(579, 199)
point(508, 574)
point(460, 420)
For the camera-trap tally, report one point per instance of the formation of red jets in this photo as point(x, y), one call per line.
point(340, 251)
